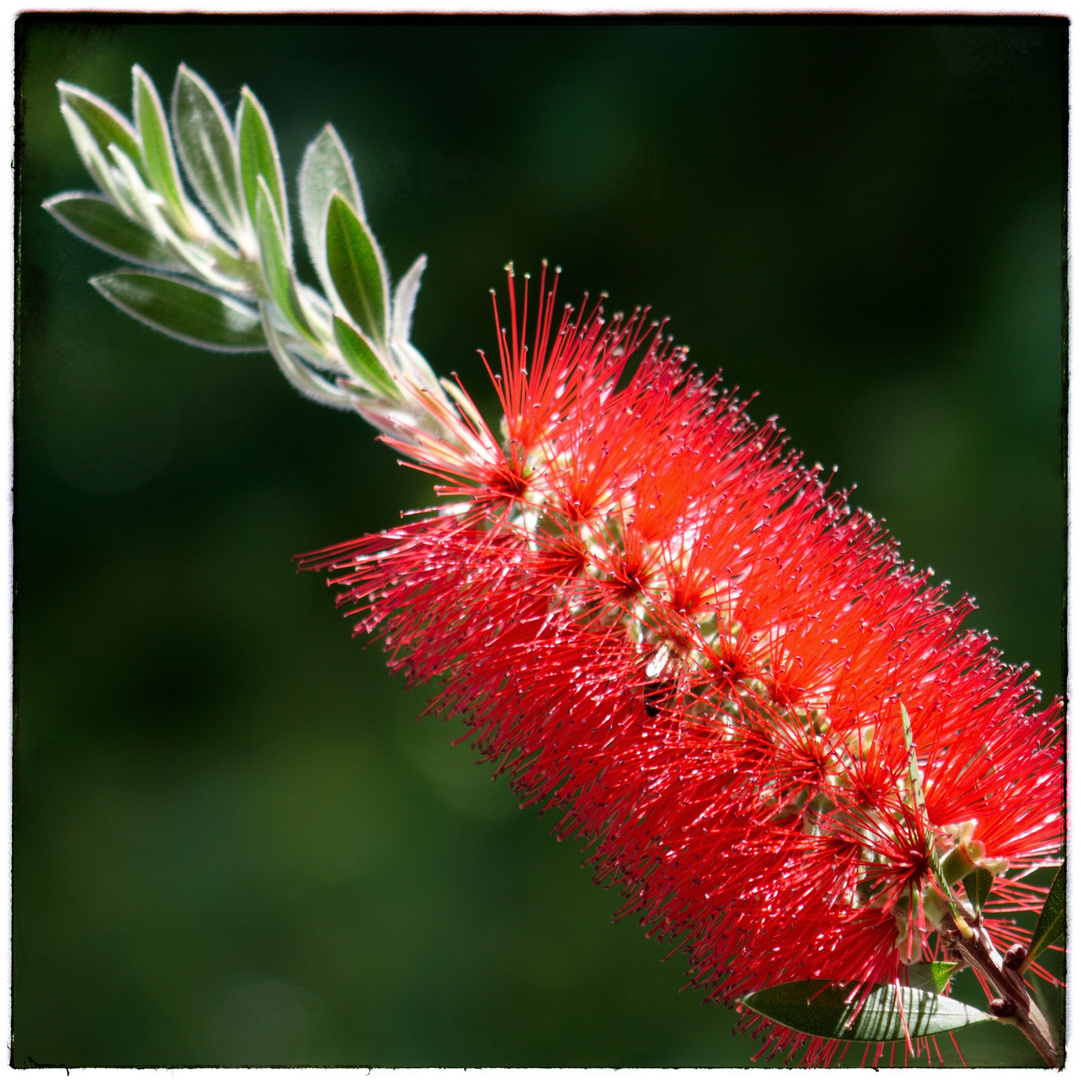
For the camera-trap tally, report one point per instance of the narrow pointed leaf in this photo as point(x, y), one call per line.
point(96, 160)
point(356, 269)
point(207, 148)
point(362, 359)
point(326, 169)
point(818, 1008)
point(159, 160)
point(405, 299)
point(259, 157)
point(410, 360)
point(277, 267)
point(183, 310)
point(932, 976)
point(95, 219)
point(978, 887)
point(104, 123)
point(1052, 920)
point(138, 196)
point(913, 763)
point(300, 376)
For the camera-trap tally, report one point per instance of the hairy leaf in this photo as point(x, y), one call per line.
point(362, 359)
point(277, 266)
point(207, 148)
point(159, 161)
point(326, 168)
point(104, 123)
point(356, 269)
point(184, 310)
point(93, 157)
point(259, 157)
point(142, 201)
point(300, 376)
point(95, 219)
point(405, 299)
point(817, 1007)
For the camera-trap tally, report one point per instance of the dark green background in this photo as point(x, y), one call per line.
point(232, 843)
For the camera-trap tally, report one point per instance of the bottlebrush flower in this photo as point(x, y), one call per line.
point(651, 616)
point(774, 734)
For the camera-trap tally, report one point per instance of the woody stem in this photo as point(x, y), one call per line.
point(1013, 1004)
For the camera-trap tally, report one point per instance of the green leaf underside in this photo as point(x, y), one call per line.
point(96, 160)
point(259, 157)
point(361, 357)
point(207, 149)
point(405, 298)
point(300, 376)
point(157, 143)
point(817, 1007)
point(932, 976)
point(1052, 920)
point(356, 270)
point(96, 220)
point(277, 270)
point(189, 312)
point(104, 123)
point(978, 887)
point(326, 169)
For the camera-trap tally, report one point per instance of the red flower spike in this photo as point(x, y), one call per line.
point(650, 615)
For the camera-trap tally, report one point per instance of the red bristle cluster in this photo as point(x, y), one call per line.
point(653, 617)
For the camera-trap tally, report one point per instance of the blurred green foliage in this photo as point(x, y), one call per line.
point(232, 844)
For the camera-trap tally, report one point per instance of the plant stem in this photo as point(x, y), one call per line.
point(1015, 1006)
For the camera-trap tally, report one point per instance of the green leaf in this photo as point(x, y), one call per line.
point(405, 299)
point(817, 1007)
point(302, 378)
point(103, 122)
point(356, 269)
point(207, 149)
point(913, 763)
point(158, 158)
point(275, 259)
point(95, 219)
point(259, 157)
point(363, 360)
point(184, 310)
point(1052, 920)
point(138, 200)
point(932, 976)
point(978, 887)
point(326, 169)
point(96, 160)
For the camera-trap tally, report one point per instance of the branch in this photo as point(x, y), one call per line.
point(1013, 1005)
